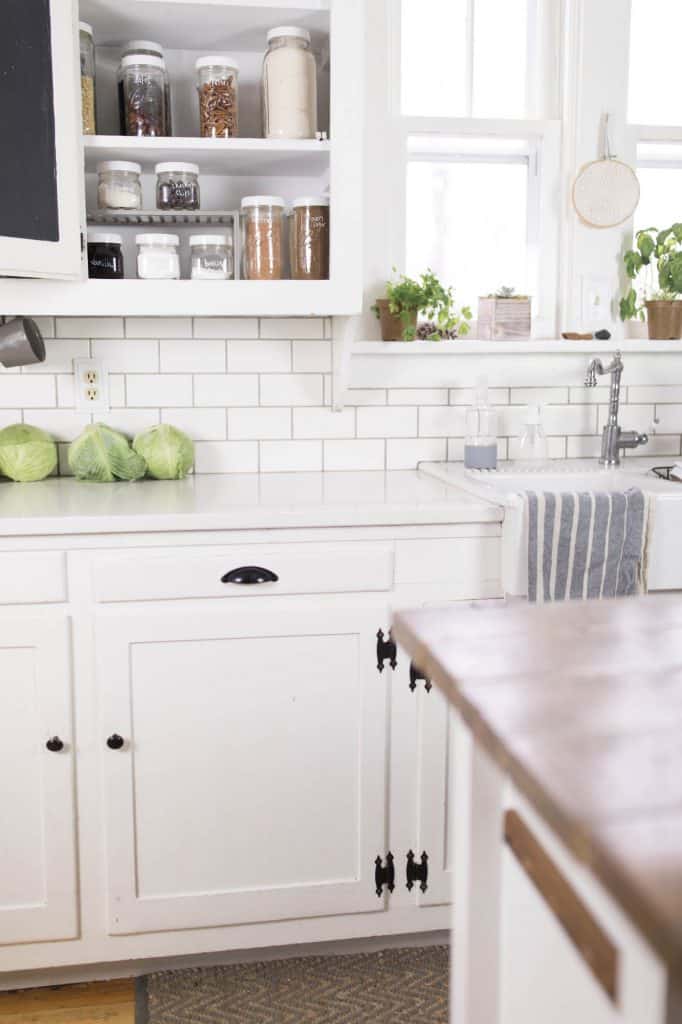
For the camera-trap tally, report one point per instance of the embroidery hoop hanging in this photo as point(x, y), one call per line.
point(606, 192)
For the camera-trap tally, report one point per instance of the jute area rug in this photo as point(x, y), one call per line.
point(399, 986)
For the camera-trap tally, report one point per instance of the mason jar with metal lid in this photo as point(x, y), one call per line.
point(142, 95)
point(262, 233)
point(148, 48)
point(218, 86)
point(87, 55)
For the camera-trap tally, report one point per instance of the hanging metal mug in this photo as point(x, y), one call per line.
point(21, 343)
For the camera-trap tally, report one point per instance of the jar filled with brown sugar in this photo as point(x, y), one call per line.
point(217, 82)
point(309, 239)
point(262, 238)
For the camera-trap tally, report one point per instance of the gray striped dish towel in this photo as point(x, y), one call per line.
point(589, 545)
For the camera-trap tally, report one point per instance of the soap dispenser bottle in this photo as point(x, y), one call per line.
point(480, 445)
point(533, 443)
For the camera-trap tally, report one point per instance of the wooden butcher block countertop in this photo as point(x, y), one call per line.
point(581, 704)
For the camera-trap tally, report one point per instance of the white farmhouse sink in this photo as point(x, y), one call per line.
point(506, 485)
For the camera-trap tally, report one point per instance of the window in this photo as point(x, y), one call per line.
point(654, 95)
point(480, 177)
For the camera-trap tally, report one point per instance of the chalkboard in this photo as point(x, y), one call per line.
point(28, 164)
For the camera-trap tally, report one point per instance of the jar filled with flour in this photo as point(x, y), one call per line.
point(289, 85)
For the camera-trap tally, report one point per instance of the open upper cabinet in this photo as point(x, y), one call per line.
point(51, 181)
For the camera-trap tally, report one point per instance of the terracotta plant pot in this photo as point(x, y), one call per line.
point(665, 319)
point(392, 326)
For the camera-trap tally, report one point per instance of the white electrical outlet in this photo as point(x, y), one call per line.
point(92, 386)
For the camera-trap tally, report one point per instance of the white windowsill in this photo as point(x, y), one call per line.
point(471, 346)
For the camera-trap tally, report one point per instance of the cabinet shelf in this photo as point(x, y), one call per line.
point(160, 218)
point(261, 157)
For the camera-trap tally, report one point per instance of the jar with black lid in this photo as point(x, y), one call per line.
point(105, 258)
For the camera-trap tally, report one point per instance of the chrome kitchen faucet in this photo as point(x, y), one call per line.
point(613, 439)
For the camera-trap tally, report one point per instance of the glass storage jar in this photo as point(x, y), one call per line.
point(87, 52)
point(289, 85)
point(142, 95)
point(157, 257)
point(262, 244)
point(217, 83)
point(212, 258)
point(147, 48)
point(105, 258)
point(119, 186)
point(177, 186)
point(309, 239)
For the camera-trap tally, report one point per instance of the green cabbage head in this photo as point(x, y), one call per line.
point(168, 452)
point(26, 453)
point(101, 454)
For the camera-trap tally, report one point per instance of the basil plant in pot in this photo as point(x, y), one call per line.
point(406, 298)
point(657, 254)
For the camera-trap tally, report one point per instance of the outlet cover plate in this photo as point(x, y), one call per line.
point(92, 386)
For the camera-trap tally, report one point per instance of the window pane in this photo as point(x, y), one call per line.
point(468, 222)
point(500, 58)
point(434, 58)
point(654, 62)
point(661, 202)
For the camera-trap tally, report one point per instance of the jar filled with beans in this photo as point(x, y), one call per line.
point(217, 83)
point(177, 186)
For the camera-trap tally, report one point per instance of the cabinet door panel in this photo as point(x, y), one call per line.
point(37, 831)
point(435, 795)
point(252, 783)
point(41, 173)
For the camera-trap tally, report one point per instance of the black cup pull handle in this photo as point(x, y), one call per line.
point(115, 742)
point(54, 744)
point(248, 575)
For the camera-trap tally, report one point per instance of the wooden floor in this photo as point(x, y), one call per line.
point(111, 1002)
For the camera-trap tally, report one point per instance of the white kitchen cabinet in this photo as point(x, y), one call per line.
point(251, 783)
point(229, 168)
point(436, 775)
point(38, 889)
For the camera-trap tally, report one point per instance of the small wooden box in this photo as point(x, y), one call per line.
point(503, 318)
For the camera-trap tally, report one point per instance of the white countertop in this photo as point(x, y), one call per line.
point(237, 502)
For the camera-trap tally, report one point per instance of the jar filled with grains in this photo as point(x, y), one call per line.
point(289, 85)
point(142, 95)
point(87, 54)
point(147, 48)
point(217, 83)
point(309, 239)
point(177, 186)
point(212, 257)
point(262, 246)
point(119, 185)
point(157, 257)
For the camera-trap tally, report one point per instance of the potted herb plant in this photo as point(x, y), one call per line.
point(407, 297)
point(656, 253)
point(504, 314)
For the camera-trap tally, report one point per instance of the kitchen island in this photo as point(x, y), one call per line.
point(567, 823)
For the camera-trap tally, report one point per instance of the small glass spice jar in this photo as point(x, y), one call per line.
point(262, 245)
point(105, 258)
point(157, 257)
point(142, 95)
point(177, 186)
point(309, 239)
point(217, 83)
point(212, 257)
point(119, 186)
point(87, 55)
point(147, 48)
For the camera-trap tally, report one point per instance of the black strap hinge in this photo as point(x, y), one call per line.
point(384, 876)
point(417, 872)
point(416, 675)
point(386, 650)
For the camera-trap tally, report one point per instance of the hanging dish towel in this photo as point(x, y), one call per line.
point(588, 545)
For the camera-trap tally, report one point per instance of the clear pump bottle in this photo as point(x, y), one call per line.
point(533, 443)
point(480, 445)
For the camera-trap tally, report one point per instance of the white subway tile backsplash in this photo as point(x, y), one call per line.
point(392, 421)
point(355, 455)
point(465, 396)
point(226, 456)
point(132, 421)
point(312, 356)
point(27, 391)
point(293, 327)
point(117, 390)
point(538, 396)
point(9, 416)
point(291, 389)
point(405, 454)
point(193, 356)
point(418, 396)
point(592, 396)
point(224, 390)
point(290, 456)
point(46, 325)
point(129, 356)
point(89, 327)
point(366, 396)
point(442, 421)
point(323, 423)
point(59, 356)
point(225, 327)
point(154, 389)
point(62, 424)
point(556, 448)
point(658, 395)
point(259, 424)
point(633, 417)
point(66, 391)
point(669, 419)
point(583, 447)
point(659, 444)
point(199, 424)
point(259, 356)
point(158, 326)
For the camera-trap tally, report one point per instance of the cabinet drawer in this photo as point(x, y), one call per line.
point(32, 577)
point(198, 572)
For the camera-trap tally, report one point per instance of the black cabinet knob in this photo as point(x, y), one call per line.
point(248, 575)
point(54, 744)
point(115, 742)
